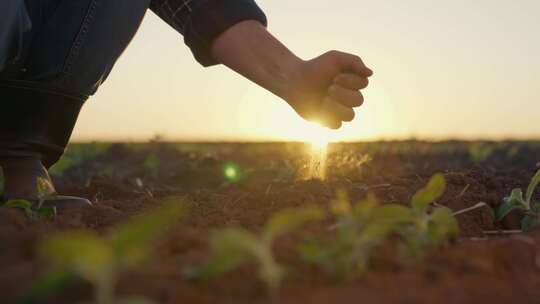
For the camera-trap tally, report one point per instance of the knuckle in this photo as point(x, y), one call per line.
point(363, 83)
point(360, 99)
point(356, 58)
point(333, 52)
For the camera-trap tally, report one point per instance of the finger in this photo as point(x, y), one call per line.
point(348, 98)
point(335, 124)
point(336, 110)
point(330, 122)
point(358, 66)
point(351, 81)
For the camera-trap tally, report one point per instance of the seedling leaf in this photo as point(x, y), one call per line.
point(45, 284)
point(341, 204)
point(289, 220)
point(31, 213)
point(393, 213)
point(364, 208)
point(516, 198)
point(444, 225)
point(152, 162)
point(510, 203)
point(82, 252)
point(528, 222)
point(430, 193)
point(505, 209)
point(532, 186)
point(18, 203)
point(230, 247)
point(130, 241)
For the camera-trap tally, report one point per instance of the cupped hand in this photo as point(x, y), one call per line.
point(327, 88)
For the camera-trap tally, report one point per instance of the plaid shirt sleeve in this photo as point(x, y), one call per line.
point(201, 21)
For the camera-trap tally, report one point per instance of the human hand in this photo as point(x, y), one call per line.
point(327, 88)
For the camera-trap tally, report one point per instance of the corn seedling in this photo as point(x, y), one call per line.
point(516, 201)
point(359, 230)
point(232, 247)
point(99, 259)
point(427, 230)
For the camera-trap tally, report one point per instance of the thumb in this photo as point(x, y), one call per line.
point(353, 63)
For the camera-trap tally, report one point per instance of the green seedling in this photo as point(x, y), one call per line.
point(77, 154)
point(151, 162)
point(427, 230)
point(359, 230)
point(100, 259)
point(480, 152)
point(34, 214)
point(232, 247)
point(36, 211)
point(362, 228)
point(530, 208)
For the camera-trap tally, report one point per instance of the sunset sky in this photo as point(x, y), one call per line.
point(442, 68)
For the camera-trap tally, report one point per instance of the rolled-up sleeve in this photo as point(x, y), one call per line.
point(202, 21)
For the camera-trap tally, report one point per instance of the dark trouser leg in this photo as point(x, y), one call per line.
point(68, 53)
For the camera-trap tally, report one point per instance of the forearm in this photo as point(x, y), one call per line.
point(250, 50)
point(324, 89)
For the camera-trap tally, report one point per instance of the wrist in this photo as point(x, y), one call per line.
point(287, 77)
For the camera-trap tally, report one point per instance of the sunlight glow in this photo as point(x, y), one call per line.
point(319, 138)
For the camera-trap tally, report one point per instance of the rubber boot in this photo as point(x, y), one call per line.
point(35, 127)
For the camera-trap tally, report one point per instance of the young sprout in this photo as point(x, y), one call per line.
point(32, 213)
point(37, 211)
point(427, 230)
point(480, 152)
point(151, 162)
point(99, 259)
point(232, 247)
point(359, 230)
point(530, 208)
point(77, 154)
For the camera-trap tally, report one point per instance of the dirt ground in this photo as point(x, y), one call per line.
point(125, 179)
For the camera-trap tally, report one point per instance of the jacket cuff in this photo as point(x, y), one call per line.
point(211, 18)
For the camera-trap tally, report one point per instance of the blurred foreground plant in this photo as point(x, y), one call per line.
point(516, 201)
point(361, 228)
point(427, 230)
point(100, 259)
point(234, 246)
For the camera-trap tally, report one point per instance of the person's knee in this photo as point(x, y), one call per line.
point(75, 45)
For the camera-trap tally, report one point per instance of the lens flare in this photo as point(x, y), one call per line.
point(231, 172)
